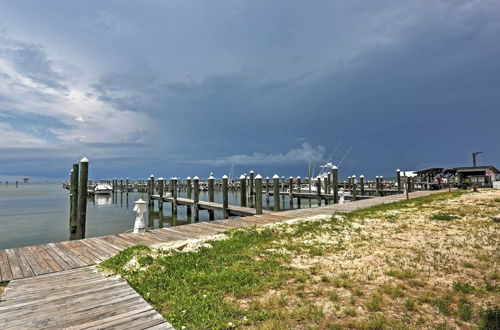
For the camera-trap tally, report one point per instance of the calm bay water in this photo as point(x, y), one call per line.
point(37, 213)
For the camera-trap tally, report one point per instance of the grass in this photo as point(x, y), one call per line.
point(3, 285)
point(444, 217)
point(347, 271)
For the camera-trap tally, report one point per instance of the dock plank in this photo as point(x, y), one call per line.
point(15, 266)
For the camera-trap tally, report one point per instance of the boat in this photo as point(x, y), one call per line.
point(103, 189)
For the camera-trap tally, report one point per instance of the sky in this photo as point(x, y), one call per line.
point(183, 88)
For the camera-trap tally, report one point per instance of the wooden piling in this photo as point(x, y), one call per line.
point(189, 189)
point(398, 180)
point(267, 190)
point(276, 192)
point(258, 194)
point(196, 182)
point(300, 190)
point(82, 198)
point(335, 184)
point(381, 186)
point(151, 189)
point(243, 190)
point(225, 197)
point(318, 187)
point(173, 183)
point(211, 196)
point(290, 192)
point(161, 184)
point(362, 185)
point(74, 200)
point(251, 188)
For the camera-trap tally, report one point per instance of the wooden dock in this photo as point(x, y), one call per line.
point(204, 205)
point(44, 278)
point(76, 299)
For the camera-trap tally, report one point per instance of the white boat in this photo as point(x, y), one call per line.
point(103, 189)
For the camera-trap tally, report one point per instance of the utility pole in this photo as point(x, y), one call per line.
point(474, 155)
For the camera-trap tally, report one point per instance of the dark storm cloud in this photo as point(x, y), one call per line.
point(412, 84)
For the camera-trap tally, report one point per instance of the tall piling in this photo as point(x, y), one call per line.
point(211, 196)
point(161, 184)
point(290, 191)
point(299, 190)
point(225, 197)
point(82, 198)
point(189, 189)
point(318, 189)
point(173, 182)
point(73, 218)
point(258, 194)
point(276, 192)
point(196, 182)
point(243, 190)
point(398, 180)
point(251, 188)
point(335, 184)
point(362, 185)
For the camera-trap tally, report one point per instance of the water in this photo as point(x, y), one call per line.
point(38, 213)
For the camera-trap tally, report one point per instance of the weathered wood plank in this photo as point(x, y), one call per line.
point(5, 271)
point(14, 263)
point(25, 267)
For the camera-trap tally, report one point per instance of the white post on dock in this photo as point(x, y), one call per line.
point(140, 208)
point(341, 196)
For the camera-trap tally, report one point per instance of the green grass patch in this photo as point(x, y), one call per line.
point(444, 217)
point(189, 289)
point(463, 287)
point(490, 319)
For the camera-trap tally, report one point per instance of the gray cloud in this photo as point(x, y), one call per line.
point(200, 86)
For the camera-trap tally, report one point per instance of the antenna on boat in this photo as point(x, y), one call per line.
point(231, 172)
point(347, 152)
point(334, 151)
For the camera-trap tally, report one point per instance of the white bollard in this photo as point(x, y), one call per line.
point(140, 208)
point(341, 196)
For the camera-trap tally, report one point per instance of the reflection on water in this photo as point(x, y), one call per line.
point(37, 213)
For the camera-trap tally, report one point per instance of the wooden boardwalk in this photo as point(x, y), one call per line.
point(47, 278)
point(76, 299)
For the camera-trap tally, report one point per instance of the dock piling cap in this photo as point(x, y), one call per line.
point(258, 176)
point(243, 176)
point(267, 178)
point(188, 178)
point(84, 160)
point(151, 176)
point(211, 176)
point(196, 178)
point(140, 201)
point(276, 176)
point(398, 170)
point(251, 172)
point(361, 176)
point(224, 176)
point(334, 167)
point(298, 177)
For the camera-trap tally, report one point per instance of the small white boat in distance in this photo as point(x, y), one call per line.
point(103, 189)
